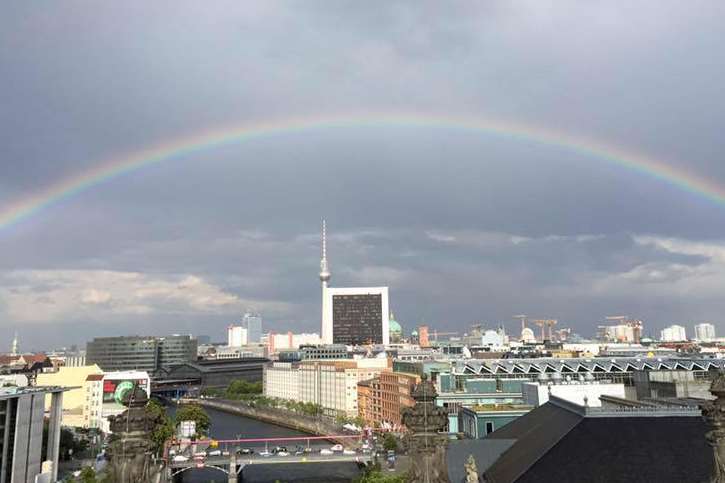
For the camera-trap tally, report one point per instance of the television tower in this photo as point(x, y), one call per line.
point(14, 349)
point(324, 278)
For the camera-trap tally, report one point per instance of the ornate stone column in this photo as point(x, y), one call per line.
point(426, 446)
point(714, 413)
point(130, 450)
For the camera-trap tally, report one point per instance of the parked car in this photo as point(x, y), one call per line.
point(214, 452)
point(282, 453)
point(349, 452)
point(265, 454)
point(278, 449)
point(299, 451)
point(180, 458)
point(245, 451)
point(337, 448)
point(326, 452)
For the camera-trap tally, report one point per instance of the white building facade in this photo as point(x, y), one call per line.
point(236, 336)
point(583, 393)
point(104, 393)
point(331, 384)
point(673, 333)
point(704, 332)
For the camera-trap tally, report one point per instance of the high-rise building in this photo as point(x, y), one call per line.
point(21, 433)
point(673, 333)
point(253, 323)
point(628, 330)
point(357, 316)
point(423, 336)
point(352, 316)
point(704, 332)
point(149, 354)
point(237, 336)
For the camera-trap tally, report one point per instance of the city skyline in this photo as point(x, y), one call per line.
point(481, 161)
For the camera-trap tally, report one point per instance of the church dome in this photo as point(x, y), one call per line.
point(394, 328)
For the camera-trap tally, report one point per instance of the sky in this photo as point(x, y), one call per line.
point(463, 226)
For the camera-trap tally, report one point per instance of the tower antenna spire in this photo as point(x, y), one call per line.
point(324, 268)
point(324, 239)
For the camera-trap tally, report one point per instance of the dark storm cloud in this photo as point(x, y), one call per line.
point(462, 226)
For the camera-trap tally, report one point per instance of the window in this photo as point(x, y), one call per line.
point(489, 427)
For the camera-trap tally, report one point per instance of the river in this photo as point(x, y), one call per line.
point(231, 426)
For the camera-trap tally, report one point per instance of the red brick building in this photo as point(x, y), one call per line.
point(381, 399)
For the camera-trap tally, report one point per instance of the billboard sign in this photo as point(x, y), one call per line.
point(114, 391)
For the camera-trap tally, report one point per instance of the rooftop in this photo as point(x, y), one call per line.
point(481, 408)
point(7, 392)
point(564, 442)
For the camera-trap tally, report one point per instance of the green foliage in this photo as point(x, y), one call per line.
point(377, 476)
point(240, 387)
point(343, 419)
point(164, 428)
point(88, 475)
point(390, 442)
point(193, 412)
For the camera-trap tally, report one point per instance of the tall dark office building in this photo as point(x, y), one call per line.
point(149, 354)
point(357, 319)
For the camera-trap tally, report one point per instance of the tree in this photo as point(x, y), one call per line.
point(377, 476)
point(88, 475)
point(194, 412)
point(164, 428)
point(390, 443)
point(241, 389)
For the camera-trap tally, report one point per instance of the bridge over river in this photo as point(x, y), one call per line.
point(224, 463)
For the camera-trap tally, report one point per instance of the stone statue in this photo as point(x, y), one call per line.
point(471, 470)
point(714, 413)
point(130, 450)
point(426, 446)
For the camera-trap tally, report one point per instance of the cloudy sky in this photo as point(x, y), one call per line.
point(463, 226)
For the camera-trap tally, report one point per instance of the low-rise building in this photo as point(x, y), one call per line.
point(669, 384)
point(289, 340)
point(214, 374)
point(477, 422)
point(131, 353)
point(331, 384)
point(74, 400)
point(104, 393)
point(585, 393)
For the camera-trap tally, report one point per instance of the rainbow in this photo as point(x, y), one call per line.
point(109, 169)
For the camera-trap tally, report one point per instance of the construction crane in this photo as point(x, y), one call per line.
point(436, 334)
point(523, 320)
point(544, 323)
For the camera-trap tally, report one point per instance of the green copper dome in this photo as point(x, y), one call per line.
point(394, 328)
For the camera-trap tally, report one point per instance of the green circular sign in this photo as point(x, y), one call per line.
point(121, 391)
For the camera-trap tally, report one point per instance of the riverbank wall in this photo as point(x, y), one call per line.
point(279, 417)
